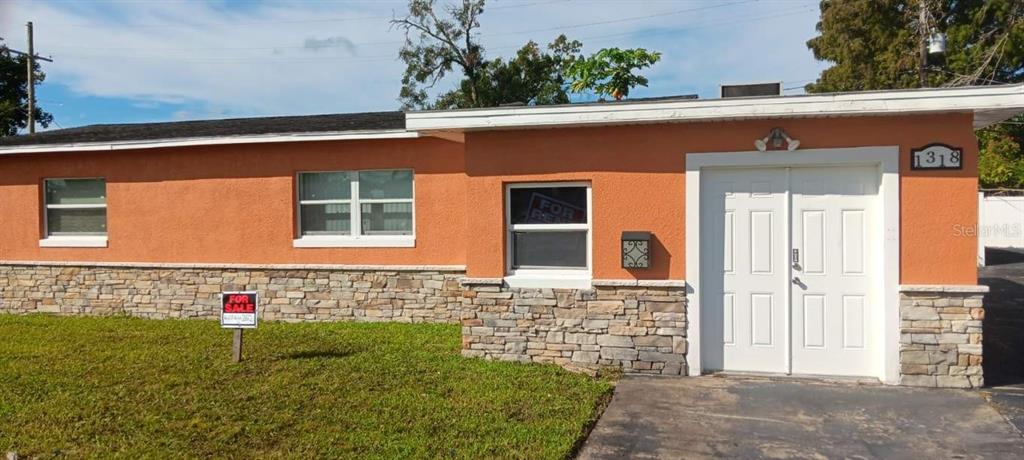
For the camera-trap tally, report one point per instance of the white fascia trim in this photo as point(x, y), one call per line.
point(198, 141)
point(364, 241)
point(230, 266)
point(989, 104)
point(70, 241)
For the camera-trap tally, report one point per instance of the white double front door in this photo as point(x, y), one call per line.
point(788, 270)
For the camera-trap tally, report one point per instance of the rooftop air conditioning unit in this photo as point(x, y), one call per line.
point(751, 89)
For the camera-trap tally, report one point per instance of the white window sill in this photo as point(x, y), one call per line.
point(74, 242)
point(550, 279)
point(346, 241)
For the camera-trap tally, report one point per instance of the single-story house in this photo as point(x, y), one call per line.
point(825, 234)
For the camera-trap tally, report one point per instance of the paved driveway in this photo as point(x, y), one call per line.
point(1004, 331)
point(1004, 317)
point(735, 417)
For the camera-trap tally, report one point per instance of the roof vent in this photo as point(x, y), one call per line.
point(752, 89)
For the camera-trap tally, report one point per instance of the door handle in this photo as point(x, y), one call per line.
point(796, 281)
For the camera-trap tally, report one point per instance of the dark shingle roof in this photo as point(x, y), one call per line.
point(133, 132)
point(369, 121)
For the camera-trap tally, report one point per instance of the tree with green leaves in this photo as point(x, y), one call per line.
point(436, 45)
point(14, 93)
point(609, 72)
point(440, 41)
point(533, 77)
point(874, 44)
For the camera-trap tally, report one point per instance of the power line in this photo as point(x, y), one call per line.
point(777, 14)
point(287, 21)
point(620, 20)
point(399, 42)
point(378, 58)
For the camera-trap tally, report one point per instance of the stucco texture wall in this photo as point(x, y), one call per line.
point(636, 173)
point(236, 204)
point(232, 203)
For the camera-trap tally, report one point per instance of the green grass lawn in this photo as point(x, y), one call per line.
point(103, 387)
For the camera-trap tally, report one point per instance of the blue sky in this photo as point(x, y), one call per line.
point(137, 61)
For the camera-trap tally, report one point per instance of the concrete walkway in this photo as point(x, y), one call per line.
point(737, 417)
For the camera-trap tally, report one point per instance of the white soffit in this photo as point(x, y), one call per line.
point(989, 104)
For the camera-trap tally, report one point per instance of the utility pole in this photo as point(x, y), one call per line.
point(31, 82)
point(31, 59)
point(922, 19)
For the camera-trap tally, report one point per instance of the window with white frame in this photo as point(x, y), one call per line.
point(356, 203)
point(76, 207)
point(549, 226)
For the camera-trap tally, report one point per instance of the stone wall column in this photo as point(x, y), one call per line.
point(941, 335)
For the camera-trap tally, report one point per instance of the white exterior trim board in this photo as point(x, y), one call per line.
point(357, 241)
point(989, 104)
point(887, 157)
point(74, 241)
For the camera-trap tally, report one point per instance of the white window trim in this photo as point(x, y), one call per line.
point(74, 241)
point(564, 278)
point(70, 240)
point(355, 238)
point(349, 241)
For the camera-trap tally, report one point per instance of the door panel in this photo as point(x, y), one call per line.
point(853, 322)
point(813, 241)
point(814, 321)
point(832, 301)
point(752, 286)
point(853, 242)
point(743, 313)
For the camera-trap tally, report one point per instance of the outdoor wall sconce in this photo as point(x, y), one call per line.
point(636, 249)
point(776, 136)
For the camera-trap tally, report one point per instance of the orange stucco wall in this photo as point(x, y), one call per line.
point(636, 173)
point(232, 204)
point(235, 204)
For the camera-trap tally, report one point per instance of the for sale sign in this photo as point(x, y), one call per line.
point(549, 210)
point(238, 309)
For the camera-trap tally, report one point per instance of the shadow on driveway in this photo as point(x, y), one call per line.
point(738, 417)
point(1003, 340)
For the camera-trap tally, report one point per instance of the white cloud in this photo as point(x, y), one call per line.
point(300, 58)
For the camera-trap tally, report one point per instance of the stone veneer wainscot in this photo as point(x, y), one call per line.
point(287, 293)
point(637, 326)
point(940, 336)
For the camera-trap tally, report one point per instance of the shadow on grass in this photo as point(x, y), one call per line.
point(319, 354)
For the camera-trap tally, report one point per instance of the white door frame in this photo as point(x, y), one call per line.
point(886, 157)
